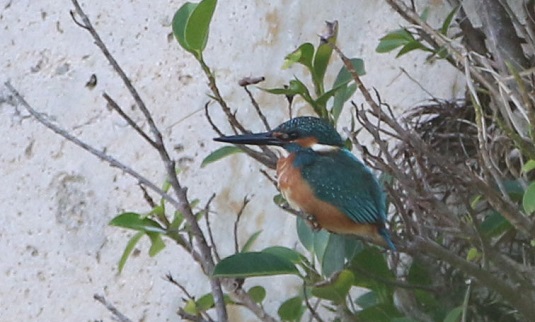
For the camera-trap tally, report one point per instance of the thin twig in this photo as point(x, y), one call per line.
point(257, 108)
point(237, 222)
point(128, 119)
point(116, 313)
point(181, 193)
point(209, 227)
point(99, 154)
point(312, 310)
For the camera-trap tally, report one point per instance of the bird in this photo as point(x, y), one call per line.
point(322, 178)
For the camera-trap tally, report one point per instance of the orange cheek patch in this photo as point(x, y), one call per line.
point(306, 142)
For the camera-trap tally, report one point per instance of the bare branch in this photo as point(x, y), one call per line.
point(116, 313)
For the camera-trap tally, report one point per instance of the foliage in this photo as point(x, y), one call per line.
point(461, 214)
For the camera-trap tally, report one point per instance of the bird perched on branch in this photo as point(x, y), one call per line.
point(320, 177)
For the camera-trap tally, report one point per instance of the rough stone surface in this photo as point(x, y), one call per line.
point(57, 249)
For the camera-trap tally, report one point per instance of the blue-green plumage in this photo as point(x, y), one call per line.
point(334, 176)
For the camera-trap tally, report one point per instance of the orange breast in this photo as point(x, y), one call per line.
point(301, 196)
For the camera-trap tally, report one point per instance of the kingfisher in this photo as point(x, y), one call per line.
point(322, 178)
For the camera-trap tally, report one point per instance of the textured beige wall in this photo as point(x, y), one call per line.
point(56, 200)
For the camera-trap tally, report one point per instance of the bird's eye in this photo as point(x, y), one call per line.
point(292, 135)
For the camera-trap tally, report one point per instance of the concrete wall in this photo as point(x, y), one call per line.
point(56, 200)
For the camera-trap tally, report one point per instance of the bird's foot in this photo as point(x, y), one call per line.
point(313, 223)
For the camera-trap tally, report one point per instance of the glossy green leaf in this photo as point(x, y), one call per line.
point(191, 307)
point(337, 288)
point(129, 248)
point(136, 221)
point(285, 252)
point(157, 244)
point(367, 300)
point(321, 239)
point(454, 315)
point(249, 243)
point(333, 259)
point(254, 264)
point(305, 234)
point(514, 188)
point(198, 25)
point(303, 55)
point(179, 24)
point(370, 260)
point(383, 312)
point(220, 154)
point(410, 46)
point(205, 302)
point(530, 165)
point(472, 254)
point(528, 201)
point(449, 19)
point(344, 76)
point(257, 293)
point(191, 25)
point(323, 56)
point(340, 98)
point(494, 225)
point(291, 309)
point(394, 40)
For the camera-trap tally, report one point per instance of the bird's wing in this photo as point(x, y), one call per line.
point(343, 181)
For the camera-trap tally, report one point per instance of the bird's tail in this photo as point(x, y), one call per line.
point(386, 236)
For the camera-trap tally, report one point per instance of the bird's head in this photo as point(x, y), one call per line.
point(297, 133)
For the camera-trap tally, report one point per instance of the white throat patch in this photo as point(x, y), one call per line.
point(323, 148)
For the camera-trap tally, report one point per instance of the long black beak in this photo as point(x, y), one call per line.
point(265, 138)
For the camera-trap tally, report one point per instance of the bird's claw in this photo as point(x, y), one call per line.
point(313, 223)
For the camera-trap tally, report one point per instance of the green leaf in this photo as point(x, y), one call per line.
point(494, 225)
point(370, 260)
point(129, 248)
point(285, 252)
point(220, 154)
point(394, 40)
point(305, 234)
point(321, 239)
point(337, 288)
point(302, 55)
point(454, 315)
point(367, 300)
point(254, 264)
point(344, 76)
point(157, 244)
point(334, 257)
point(473, 254)
point(528, 201)
point(198, 24)
point(179, 24)
point(384, 312)
point(322, 57)
point(205, 302)
point(136, 221)
point(410, 46)
point(514, 189)
point(340, 98)
point(258, 293)
point(530, 165)
point(191, 25)
point(448, 20)
point(249, 243)
point(291, 309)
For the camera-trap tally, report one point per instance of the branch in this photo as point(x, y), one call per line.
point(120, 317)
point(183, 204)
